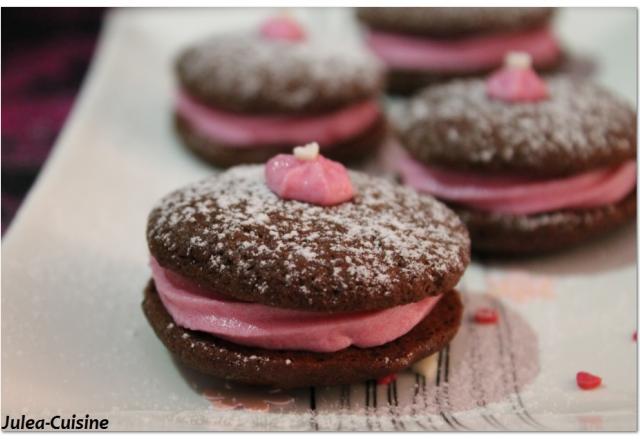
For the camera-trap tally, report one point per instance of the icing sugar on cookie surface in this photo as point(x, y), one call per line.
point(242, 72)
point(578, 127)
point(387, 243)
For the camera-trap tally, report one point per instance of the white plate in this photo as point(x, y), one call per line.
point(75, 261)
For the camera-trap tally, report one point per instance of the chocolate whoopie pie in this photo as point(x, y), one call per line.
point(422, 46)
point(244, 97)
point(300, 273)
point(530, 165)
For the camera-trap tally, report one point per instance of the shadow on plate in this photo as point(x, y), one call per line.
point(226, 395)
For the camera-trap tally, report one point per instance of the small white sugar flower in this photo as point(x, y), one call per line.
point(307, 152)
point(517, 60)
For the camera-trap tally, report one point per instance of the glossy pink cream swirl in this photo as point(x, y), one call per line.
point(474, 53)
point(516, 84)
point(274, 328)
point(248, 131)
point(319, 181)
point(521, 195)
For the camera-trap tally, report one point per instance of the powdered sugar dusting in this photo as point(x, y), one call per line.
point(580, 126)
point(289, 76)
point(388, 240)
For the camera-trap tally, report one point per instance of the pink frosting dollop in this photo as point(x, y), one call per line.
point(319, 181)
point(257, 325)
point(463, 54)
point(244, 131)
point(282, 28)
point(513, 84)
point(521, 195)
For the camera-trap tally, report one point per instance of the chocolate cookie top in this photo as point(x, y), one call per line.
point(248, 73)
point(387, 246)
point(579, 127)
point(452, 22)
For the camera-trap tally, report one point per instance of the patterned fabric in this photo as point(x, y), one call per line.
point(45, 55)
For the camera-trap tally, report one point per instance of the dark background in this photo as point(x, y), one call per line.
point(45, 55)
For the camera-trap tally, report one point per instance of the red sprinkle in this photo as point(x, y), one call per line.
point(485, 315)
point(386, 380)
point(635, 336)
point(587, 381)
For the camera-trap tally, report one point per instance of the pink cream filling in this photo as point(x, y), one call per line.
point(462, 55)
point(245, 131)
point(521, 195)
point(268, 327)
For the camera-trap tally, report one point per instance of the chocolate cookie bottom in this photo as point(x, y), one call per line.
point(218, 154)
point(290, 369)
point(508, 234)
